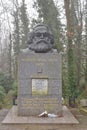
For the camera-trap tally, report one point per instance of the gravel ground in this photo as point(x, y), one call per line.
point(80, 117)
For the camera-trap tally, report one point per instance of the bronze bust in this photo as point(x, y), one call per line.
point(41, 39)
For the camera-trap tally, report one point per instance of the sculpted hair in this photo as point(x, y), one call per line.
point(32, 33)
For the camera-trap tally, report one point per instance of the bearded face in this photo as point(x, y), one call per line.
point(41, 41)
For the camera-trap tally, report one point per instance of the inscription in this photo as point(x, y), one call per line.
point(39, 99)
point(39, 86)
point(39, 60)
point(39, 64)
point(47, 103)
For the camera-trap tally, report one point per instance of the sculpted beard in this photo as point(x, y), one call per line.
point(40, 45)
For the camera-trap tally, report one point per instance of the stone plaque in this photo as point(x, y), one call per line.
point(39, 86)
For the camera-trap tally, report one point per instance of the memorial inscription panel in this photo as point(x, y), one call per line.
point(39, 86)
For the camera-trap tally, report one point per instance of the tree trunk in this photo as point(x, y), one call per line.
point(71, 78)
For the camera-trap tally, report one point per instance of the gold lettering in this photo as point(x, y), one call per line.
point(39, 60)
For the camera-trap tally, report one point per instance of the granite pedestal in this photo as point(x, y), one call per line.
point(39, 83)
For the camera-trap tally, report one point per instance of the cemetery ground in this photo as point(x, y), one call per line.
point(81, 116)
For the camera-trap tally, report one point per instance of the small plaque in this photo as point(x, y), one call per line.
point(39, 86)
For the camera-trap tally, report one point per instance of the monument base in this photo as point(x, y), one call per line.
point(39, 83)
point(13, 118)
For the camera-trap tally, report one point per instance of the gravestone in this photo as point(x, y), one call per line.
point(39, 75)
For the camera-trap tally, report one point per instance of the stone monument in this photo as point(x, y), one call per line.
point(39, 75)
